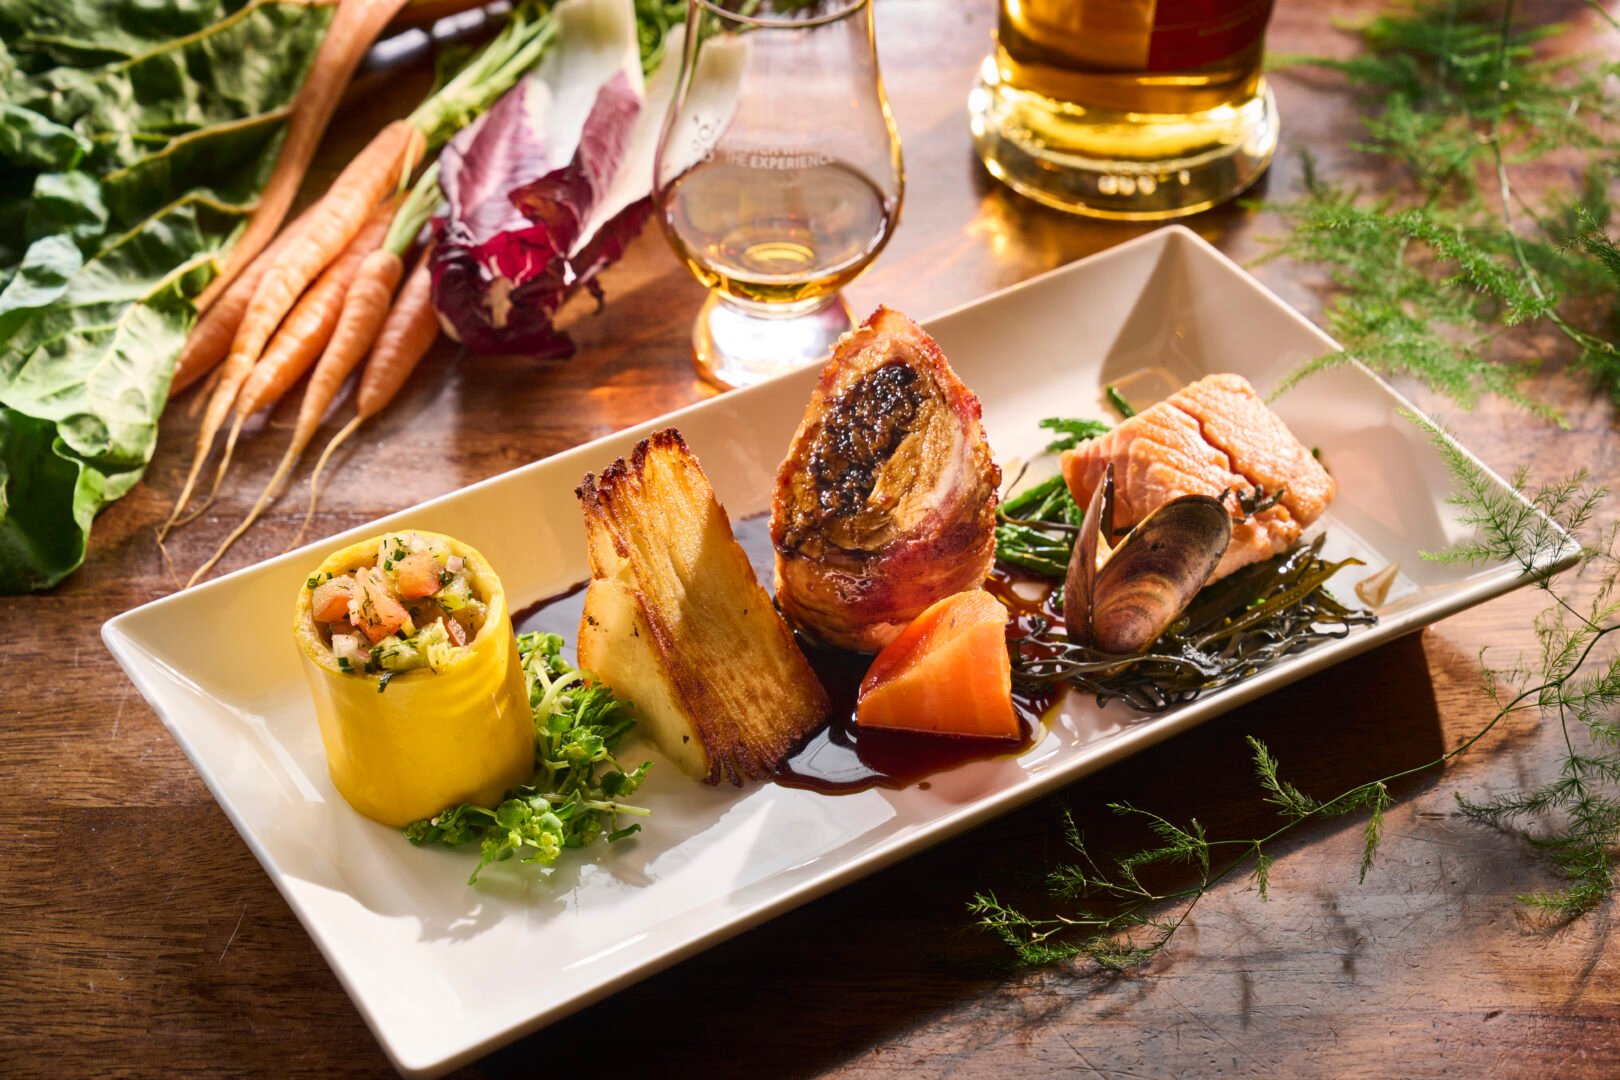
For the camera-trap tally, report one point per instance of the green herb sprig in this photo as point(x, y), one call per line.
point(1035, 529)
point(1118, 920)
point(1071, 433)
point(1430, 283)
point(576, 795)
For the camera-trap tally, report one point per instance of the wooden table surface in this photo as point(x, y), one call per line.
point(140, 936)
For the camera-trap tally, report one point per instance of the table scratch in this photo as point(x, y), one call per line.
point(234, 929)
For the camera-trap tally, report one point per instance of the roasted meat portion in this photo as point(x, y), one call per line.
point(676, 622)
point(1210, 438)
point(887, 499)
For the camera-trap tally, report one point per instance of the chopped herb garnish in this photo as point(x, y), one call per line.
point(344, 665)
point(573, 797)
point(382, 683)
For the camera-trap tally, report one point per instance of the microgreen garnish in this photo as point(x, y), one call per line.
point(574, 796)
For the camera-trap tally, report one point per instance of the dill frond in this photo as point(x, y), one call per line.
point(1426, 281)
point(1293, 804)
point(1117, 918)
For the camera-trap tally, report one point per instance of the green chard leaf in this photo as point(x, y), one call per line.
point(67, 205)
point(47, 498)
point(29, 139)
point(140, 145)
point(40, 281)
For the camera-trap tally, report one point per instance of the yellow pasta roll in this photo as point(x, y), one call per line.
point(407, 644)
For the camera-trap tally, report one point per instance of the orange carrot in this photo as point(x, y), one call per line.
point(947, 673)
point(211, 338)
point(306, 330)
point(410, 330)
point(332, 223)
point(364, 309)
point(302, 335)
point(352, 30)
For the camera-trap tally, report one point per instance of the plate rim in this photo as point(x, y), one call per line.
point(1489, 584)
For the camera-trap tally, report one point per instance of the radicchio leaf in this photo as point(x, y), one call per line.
point(562, 200)
point(523, 187)
point(606, 246)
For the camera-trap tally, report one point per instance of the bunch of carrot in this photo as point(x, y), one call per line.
point(321, 295)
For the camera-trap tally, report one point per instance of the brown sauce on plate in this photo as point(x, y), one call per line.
point(557, 614)
point(840, 758)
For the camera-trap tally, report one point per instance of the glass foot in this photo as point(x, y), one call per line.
point(736, 346)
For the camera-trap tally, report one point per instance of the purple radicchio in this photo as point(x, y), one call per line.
point(546, 189)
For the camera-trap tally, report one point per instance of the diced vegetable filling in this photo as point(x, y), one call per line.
point(411, 609)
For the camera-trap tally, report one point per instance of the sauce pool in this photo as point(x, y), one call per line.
point(840, 758)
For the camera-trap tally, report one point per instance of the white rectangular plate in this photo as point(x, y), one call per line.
point(428, 960)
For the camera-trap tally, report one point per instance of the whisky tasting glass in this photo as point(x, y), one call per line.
point(778, 177)
point(1131, 109)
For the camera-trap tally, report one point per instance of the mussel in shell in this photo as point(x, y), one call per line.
point(1120, 598)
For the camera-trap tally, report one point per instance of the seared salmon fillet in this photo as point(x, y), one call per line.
point(1214, 436)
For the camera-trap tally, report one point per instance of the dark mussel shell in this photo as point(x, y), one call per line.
point(1120, 600)
point(1091, 547)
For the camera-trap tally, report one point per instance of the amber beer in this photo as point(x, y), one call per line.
point(1135, 109)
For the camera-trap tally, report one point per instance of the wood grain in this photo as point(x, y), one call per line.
point(140, 937)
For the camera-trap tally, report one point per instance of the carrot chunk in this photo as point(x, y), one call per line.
point(947, 673)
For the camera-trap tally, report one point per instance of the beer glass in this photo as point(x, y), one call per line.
point(1129, 109)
